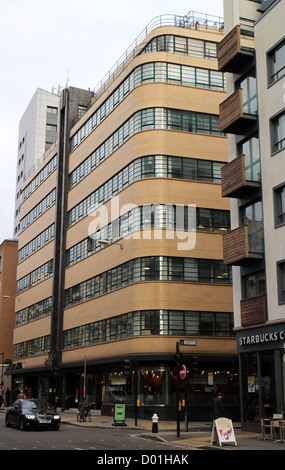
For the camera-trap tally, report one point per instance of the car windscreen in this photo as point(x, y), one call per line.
point(33, 404)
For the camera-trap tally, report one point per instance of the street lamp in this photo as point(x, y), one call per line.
point(107, 242)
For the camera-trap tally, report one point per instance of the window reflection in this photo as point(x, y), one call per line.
point(253, 218)
point(250, 149)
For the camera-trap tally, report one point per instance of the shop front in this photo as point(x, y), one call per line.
point(152, 388)
point(148, 387)
point(262, 371)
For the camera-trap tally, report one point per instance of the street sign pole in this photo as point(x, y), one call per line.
point(186, 402)
point(177, 393)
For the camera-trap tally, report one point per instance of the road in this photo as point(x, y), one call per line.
point(78, 438)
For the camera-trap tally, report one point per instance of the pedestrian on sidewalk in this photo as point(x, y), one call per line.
point(7, 396)
point(218, 407)
point(21, 394)
point(29, 393)
point(218, 411)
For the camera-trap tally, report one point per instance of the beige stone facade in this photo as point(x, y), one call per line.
point(148, 141)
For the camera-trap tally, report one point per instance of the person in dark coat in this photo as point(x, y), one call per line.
point(7, 396)
point(217, 412)
point(218, 408)
point(29, 393)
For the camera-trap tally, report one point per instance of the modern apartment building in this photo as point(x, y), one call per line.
point(38, 130)
point(120, 243)
point(253, 54)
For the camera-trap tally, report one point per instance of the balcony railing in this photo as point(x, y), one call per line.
point(234, 182)
point(233, 119)
point(236, 247)
point(253, 310)
point(235, 50)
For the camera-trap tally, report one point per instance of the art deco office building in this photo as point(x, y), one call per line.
point(253, 52)
point(120, 245)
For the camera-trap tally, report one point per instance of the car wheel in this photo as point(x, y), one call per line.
point(22, 426)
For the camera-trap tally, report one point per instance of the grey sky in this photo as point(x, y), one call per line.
point(42, 44)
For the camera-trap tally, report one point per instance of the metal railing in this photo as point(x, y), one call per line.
point(38, 162)
point(191, 20)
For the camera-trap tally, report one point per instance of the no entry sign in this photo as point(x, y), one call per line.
point(182, 372)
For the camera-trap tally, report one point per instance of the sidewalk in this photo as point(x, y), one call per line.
point(198, 436)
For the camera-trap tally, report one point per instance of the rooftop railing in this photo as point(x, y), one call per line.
point(193, 20)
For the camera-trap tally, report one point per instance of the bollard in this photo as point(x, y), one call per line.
point(155, 419)
point(186, 421)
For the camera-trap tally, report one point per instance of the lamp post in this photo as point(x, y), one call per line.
point(108, 242)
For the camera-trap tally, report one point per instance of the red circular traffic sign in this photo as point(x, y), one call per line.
point(182, 372)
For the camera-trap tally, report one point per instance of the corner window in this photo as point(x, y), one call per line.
point(249, 95)
point(276, 63)
point(281, 281)
point(279, 205)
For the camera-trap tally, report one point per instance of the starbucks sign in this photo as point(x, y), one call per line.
point(268, 337)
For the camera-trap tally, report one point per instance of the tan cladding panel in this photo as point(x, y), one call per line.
point(37, 227)
point(32, 330)
point(39, 258)
point(34, 295)
point(151, 344)
point(33, 362)
point(168, 191)
point(149, 296)
point(200, 245)
point(150, 191)
point(155, 142)
point(147, 96)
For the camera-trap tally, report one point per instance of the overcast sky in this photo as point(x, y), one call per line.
point(45, 43)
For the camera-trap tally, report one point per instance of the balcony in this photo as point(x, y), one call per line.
point(233, 119)
point(235, 50)
point(234, 182)
point(238, 249)
point(253, 310)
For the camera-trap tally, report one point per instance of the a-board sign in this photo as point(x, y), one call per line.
point(223, 432)
point(120, 414)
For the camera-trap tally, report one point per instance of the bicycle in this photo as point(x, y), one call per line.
point(84, 412)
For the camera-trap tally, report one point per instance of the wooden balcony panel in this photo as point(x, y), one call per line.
point(233, 177)
point(253, 310)
point(235, 245)
point(234, 183)
point(236, 248)
point(232, 118)
point(234, 51)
